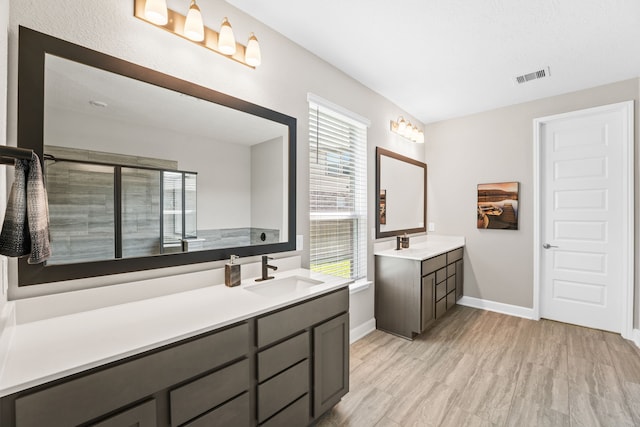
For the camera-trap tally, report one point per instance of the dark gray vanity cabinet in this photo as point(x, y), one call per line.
point(185, 380)
point(303, 360)
point(410, 294)
point(283, 368)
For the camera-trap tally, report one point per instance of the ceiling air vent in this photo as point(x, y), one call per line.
point(534, 75)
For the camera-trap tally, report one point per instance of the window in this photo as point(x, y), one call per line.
point(337, 191)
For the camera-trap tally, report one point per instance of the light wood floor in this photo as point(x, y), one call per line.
point(477, 368)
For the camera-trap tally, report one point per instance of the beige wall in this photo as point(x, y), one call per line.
point(497, 146)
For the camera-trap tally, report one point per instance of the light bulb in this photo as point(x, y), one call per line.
point(252, 53)
point(156, 11)
point(226, 40)
point(193, 26)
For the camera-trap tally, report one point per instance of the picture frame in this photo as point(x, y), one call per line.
point(498, 205)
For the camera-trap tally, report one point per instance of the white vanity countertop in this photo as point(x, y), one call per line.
point(422, 247)
point(45, 350)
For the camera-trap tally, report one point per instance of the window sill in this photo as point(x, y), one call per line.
point(359, 286)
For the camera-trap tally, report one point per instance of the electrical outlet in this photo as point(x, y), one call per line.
point(432, 226)
point(299, 242)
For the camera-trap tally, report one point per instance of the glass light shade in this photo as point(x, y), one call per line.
point(156, 11)
point(414, 134)
point(226, 40)
point(193, 26)
point(408, 130)
point(420, 137)
point(402, 126)
point(252, 53)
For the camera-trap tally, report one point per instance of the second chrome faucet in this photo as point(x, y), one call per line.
point(265, 269)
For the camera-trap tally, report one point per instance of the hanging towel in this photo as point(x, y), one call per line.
point(37, 213)
point(15, 240)
point(25, 230)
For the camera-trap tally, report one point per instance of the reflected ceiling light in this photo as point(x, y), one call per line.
point(156, 11)
point(226, 39)
point(252, 54)
point(193, 26)
point(405, 129)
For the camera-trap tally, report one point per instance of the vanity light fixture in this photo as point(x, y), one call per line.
point(405, 129)
point(191, 27)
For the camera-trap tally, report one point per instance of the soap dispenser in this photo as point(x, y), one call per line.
point(232, 272)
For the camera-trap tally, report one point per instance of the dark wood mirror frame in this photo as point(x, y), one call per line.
point(33, 47)
point(381, 234)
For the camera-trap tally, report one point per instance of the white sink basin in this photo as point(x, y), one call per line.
point(286, 285)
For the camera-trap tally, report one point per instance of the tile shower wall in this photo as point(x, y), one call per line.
point(81, 205)
point(81, 210)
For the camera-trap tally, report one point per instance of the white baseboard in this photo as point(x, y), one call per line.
point(362, 330)
point(498, 307)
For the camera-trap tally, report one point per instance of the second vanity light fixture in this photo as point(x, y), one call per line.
point(405, 129)
point(191, 26)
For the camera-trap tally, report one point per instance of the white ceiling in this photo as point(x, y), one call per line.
point(439, 59)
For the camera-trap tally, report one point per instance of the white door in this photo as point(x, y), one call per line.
point(583, 216)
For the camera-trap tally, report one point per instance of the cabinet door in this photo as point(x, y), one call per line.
point(459, 278)
point(330, 363)
point(426, 308)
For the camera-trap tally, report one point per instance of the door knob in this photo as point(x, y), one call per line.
point(548, 246)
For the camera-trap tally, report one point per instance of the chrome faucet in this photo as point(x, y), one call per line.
point(265, 269)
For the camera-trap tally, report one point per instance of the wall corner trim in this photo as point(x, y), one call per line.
point(362, 330)
point(498, 307)
point(636, 337)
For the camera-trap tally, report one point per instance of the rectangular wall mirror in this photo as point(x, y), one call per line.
point(144, 170)
point(401, 192)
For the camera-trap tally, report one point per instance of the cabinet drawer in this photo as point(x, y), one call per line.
point(451, 299)
point(282, 389)
point(284, 323)
point(206, 393)
point(297, 414)
point(441, 290)
point(281, 356)
point(451, 270)
point(441, 308)
point(432, 264)
point(143, 415)
point(454, 255)
point(441, 275)
point(451, 284)
point(87, 397)
point(236, 413)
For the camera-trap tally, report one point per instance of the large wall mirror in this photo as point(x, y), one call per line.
point(401, 192)
point(144, 170)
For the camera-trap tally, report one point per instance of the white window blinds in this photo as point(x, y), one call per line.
point(337, 193)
